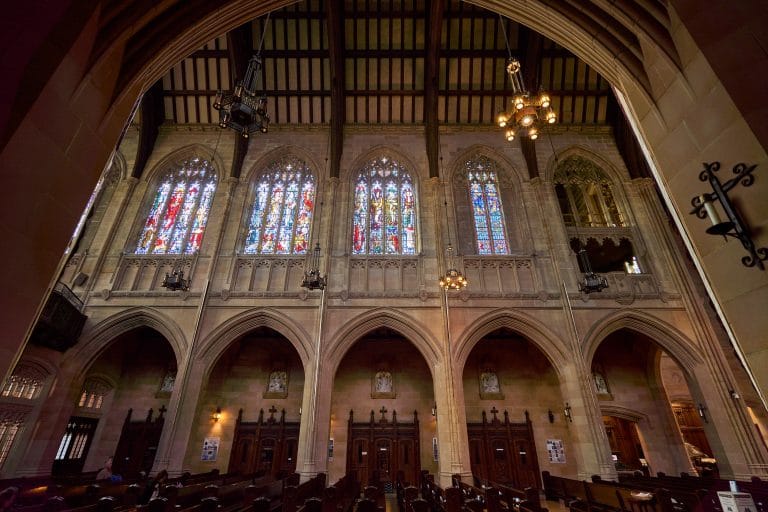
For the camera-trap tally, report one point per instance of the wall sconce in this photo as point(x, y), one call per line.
point(216, 415)
point(734, 394)
point(551, 416)
point(567, 412)
point(702, 412)
point(703, 206)
point(434, 410)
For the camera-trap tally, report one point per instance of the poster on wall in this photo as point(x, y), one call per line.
point(435, 453)
point(210, 448)
point(556, 451)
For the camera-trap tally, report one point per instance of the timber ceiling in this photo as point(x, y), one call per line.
point(379, 53)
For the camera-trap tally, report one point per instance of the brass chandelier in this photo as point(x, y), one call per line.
point(528, 112)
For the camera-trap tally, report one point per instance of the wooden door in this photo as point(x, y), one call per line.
point(380, 451)
point(357, 459)
point(384, 460)
point(267, 445)
point(502, 452)
point(407, 461)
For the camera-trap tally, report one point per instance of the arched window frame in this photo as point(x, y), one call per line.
point(93, 394)
point(586, 195)
point(25, 383)
point(256, 239)
point(384, 171)
point(176, 211)
point(483, 188)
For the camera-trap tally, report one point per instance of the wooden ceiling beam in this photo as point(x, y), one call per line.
point(239, 49)
point(431, 69)
point(335, 20)
point(152, 115)
point(531, 46)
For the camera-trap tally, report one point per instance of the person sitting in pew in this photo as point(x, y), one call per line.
point(8, 497)
point(154, 487)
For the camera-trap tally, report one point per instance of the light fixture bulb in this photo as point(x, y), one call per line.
point(510, 135)
point(544, 100)
point(502, 119)
point(527, 120)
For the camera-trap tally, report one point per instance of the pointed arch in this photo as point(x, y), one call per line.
point(667, 336)
point(407, 326)
point(510, 172)
point(615, 174)
point(385, 206)
point(379, 151)
point(216, 343)
point(177, 204)
point(534, 331)
point(182, 153)
point(281, 204)
point(97, 339)
point(263, 161)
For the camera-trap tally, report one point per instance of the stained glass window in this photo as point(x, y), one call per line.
point(281, 215)
point(384, 211)
point(179, 210)
point(482, 179)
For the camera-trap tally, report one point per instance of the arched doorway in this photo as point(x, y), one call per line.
point(249, 412)
point(382, 427)
point(638, 386)
point(119, 407)
point(513, 406)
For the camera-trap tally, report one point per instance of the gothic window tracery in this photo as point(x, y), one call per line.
point(281, 215)
point(93, 393)
point(585, 195)
point(487, 211)
point(11, 423)
point(179, 210)
point(26, 382)
point(384, 209)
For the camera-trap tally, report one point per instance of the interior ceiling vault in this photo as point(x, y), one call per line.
point(376, 71)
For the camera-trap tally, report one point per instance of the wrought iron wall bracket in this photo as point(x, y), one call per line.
point(703, 207)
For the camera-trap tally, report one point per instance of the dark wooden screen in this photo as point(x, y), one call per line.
point(268, 446)
point(378, 451)
point(137, 447)
point(504, 452)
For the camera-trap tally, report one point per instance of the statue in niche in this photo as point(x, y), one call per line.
point(600, 383)
point(278, 382)
point(166, 385)
point(489, 382)
point(383, 382)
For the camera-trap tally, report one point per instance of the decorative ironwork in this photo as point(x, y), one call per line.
point(176, 281)
point(704, 206)
point(312, 278)
point(592, 282)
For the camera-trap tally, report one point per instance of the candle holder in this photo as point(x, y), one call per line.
point(704, 206)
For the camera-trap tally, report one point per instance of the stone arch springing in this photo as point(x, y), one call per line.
point(217, 342)
point(97, 339)
point(671, 340)
point(410, 328)
point(535, 332)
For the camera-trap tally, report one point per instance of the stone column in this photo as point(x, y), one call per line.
point(316, 402)
point(182, 407)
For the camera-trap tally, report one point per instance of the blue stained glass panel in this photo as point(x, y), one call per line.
point(487, 210)
point(281, 214)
